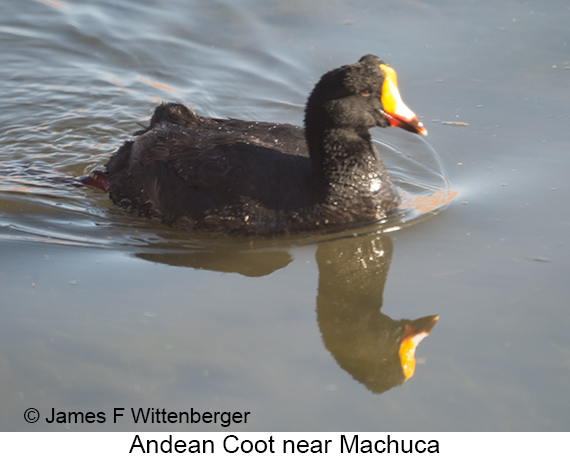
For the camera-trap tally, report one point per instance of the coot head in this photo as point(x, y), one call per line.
point(356, 98)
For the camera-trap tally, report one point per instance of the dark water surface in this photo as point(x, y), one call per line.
point(101, 309)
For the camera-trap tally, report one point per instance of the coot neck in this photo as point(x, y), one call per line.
point(344, 156)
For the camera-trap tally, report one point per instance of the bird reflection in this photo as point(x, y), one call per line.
point(226, 259)
point(375, 349)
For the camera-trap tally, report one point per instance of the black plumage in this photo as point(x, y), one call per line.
point(262, 178)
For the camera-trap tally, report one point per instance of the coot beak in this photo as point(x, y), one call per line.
point(414, 332)
point(398, 114)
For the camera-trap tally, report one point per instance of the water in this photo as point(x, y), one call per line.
point(102, 309)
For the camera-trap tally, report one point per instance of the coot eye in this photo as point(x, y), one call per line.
point(364, 93)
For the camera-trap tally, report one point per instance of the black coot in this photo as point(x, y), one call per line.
point(258, 178)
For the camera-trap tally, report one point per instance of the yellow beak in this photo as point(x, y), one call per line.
point(398, 114)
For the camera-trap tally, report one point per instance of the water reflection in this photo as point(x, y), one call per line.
point(226, 259)
point(373, 348)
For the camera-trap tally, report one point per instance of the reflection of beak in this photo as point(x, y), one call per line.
point(398, 114)
point(413, 334)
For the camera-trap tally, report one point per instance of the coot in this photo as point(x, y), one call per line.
point(259, 178)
